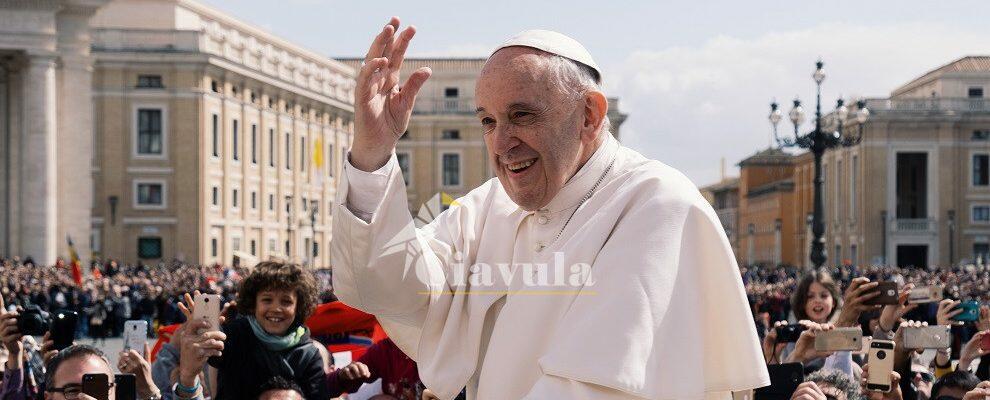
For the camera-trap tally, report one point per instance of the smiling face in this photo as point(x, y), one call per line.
point(819, 304)
point(275, 310)
point(537, 135)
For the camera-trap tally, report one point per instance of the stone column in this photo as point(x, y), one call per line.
point(38, 172)
point(75, 140)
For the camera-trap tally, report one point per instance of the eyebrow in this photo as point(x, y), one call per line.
point(517, 105)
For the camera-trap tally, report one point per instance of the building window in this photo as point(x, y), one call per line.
point(216, 135)
point(254, 98)
point(271, 147)
point(254, 200)
point(234, 198)
point(213, 247)
point(150, 194)
point(450, 92)
point(451, 134)
point(981, 214)
point(214, 86)
point(149, 247)
point(852, 188)
point(305, 204)
point(150, 81)
point(981, 169)
point(216, 196)
point(237, 153)
point(149, 132)
point(271, 202)
point(451, 169)
point(302, 154)
point(838, 190)
point(981, 251)
point(316, 249)
point(253, 247)
point(235, 244)
point(271, 246)
point(403, 159)
point(975, 92)
point(288, 150)
point(254, 144)
point(288, 204)
point(981, 134)
point(286, 247)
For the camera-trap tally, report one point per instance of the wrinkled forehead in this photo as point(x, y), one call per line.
point(73, 369)
point(514, 74)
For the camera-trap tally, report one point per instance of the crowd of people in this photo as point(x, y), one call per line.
point(263, 349)
point(839, 297)
point(264, 339)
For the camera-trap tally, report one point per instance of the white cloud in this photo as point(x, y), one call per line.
point(690, 106)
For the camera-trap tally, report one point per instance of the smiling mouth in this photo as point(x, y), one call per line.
point(521, 166)
point(274, 320)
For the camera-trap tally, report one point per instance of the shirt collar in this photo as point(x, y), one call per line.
point(579, 184)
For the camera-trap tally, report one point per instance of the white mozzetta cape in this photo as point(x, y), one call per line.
point(663, 316)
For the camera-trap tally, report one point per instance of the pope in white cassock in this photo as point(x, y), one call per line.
point(584, 271)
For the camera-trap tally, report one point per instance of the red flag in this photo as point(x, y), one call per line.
point(342, 328)
point(76, 270)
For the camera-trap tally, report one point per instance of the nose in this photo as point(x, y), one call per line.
point(503, 141)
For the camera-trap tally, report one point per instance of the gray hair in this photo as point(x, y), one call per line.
point(838, 380)
point(574, 80)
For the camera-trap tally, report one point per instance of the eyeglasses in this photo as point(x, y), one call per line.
point(70, 391)
point(926, 376)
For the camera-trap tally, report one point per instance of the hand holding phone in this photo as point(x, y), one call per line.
point(64, 328)
point(927, 337)
point(888, 294)
point(839, 339)
point(925, 294)
point(970, 311)
point(789, 333)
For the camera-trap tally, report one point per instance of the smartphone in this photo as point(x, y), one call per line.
point(135, 335)
point(888, 294)
point(839, 339)
point(927, 337)
point(208, 307)
point(881, 364)
point(970, 313)
point(125, 387)
point(925, 294)
point(64, 328)
point(789, 333)
point(784, 380)
point(96, 386)
point(865, 350)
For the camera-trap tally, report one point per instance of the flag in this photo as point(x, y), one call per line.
point(76, 268)
point(318, 160)
point(342, 328)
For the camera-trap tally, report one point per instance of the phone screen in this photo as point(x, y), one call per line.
point(96, 386)
point(126, 387)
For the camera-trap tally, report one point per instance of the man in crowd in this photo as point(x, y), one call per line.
point(63, 378)
point(646, 299)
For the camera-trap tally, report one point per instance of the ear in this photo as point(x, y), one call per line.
point(595, 110)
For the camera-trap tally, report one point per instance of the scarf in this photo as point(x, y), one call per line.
point(276, 343)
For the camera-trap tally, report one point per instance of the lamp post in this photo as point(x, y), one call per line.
point(817, 141)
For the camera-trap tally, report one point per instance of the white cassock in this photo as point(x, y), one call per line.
point(663, 314)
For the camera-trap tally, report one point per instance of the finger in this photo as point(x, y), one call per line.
point(185, 311)
point(377, 48)
point(369, 79)
point(147, 352)
point(398, 54)
point(390, 44)
point(407, 96)
point(364, 371)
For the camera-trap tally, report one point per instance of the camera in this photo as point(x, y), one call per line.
point(33, 321)
point(881, 355)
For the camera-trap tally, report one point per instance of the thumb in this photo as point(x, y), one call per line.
point(147, 352)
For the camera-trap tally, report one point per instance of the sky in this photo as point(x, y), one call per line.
point(695, 77)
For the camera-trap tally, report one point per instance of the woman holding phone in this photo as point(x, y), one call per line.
point(269, 340)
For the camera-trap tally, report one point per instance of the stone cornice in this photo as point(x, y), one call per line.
point(52, 5)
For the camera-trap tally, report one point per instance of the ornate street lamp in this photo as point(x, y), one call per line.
point(817, 141)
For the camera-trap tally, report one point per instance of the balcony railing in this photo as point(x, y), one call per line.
point(933, 104)
point(444, 105)
point(914, 225)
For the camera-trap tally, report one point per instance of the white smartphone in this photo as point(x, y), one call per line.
point(881, 364)
point(135, 335)
point(208, 307)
